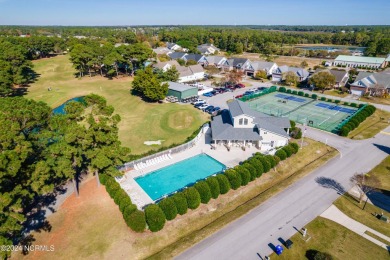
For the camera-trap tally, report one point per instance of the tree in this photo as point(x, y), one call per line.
point(290, 78)
point(239, 48)
point(234, 77)
point(365, 183)
point(323, 80)
point(214, 186)
point(147, 84)
point(180, 203)
point(204, 191)
point(304, 64)
point(224, 184)
point(172, 74)
point(136, 221)
point(193, 197)
point(6, 81)
point(155, 217)
point(261, 74)
point(234, 178)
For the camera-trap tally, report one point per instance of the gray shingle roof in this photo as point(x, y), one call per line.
point(366, 79)
point(223, 126)
point(179, 87)
point(193, 56)
point(214, 59)
point(237, 61)
point(262, 65)
point(339, 74)
point(177, 55)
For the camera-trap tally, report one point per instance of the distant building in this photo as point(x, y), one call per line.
point(371, 83)
point(207, 49)
point(177, 55)
point(162, 51)
point(190, 73)
point(175, 47)
point(216, 61)
point(240, 64)
point(360, 61)
point(268, 67)
point(181, 91)
point(277, 75)
point(164, 66)
point(198, 58)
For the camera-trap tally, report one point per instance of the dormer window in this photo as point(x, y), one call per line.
point(245, 121)
point(240, 121)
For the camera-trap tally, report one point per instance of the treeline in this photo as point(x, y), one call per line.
point(39, 151)
point(237, 40)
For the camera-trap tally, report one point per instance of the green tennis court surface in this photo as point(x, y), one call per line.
point(319, 114)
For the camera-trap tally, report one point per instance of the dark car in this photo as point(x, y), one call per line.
point(239, 96)
point(239, 85)
point(208, 94)
point(207, 109)
point(199, 104)
point(261, 88)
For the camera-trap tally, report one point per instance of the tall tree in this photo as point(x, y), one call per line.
point(290, 78)
point(365, 183)
point(149, 86)
point(323, 80)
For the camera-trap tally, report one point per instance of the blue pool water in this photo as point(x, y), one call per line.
point(174, 177)
point(61, 109)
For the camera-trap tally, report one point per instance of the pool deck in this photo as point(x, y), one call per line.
point(229, 158)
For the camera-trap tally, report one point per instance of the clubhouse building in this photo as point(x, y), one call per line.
point(241, 126)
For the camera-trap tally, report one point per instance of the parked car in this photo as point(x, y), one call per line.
point(261, 88)
point(200, 104)
point(208, 94)
point(247, 93)
point(204, 106)
point(239, 96)
point(207, 109)
point(215, 109)
point(239, 85)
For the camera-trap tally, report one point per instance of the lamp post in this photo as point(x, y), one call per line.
point(304, 131)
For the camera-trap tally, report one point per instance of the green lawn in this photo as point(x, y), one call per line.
point(371, 126)
point(141, 121)
point(382, 172)
point(332, 238)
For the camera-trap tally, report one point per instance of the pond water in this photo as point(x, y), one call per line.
point(331, 48)
point(61, 109)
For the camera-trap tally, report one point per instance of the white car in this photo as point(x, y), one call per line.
point(203, 106)
point(198, 101)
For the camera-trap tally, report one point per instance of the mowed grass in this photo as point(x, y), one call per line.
point(371, 126)
point(382, 172)
point(91, 225)
point(351, 207)
point(141, 121)
point(332, 238)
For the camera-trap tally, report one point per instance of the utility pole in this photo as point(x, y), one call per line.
point(303, 135)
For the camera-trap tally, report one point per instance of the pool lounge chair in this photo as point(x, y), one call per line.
point(170, 157)
point(135, 167)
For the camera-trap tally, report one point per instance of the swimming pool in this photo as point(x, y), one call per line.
point(174, 177)
point(61, 109)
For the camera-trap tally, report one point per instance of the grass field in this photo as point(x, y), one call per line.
point(141, 121)
point(91, 225)
point(371, 126)
point(332, 238)
point(382, 172)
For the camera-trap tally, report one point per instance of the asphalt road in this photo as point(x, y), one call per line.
point(254, 235)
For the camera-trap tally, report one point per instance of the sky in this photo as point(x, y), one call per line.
point(195, 12)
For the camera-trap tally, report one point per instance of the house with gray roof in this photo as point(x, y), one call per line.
point(375, 84)
point(198, 58)
point(177, 55)
point(341, 76)
point(175, 47)
point(240, 125)
point(268, 67)
point(216, 61)
point(207, 49)
point(277, 75)
point(190, 73)
point(240, 64)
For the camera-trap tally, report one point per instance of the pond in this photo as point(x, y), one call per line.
point(332, 48)
point(61, 109)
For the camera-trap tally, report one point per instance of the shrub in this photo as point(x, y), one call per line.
point(119, 196)
point(266, 164)
point(294, 92)
point(295, 146)
point(353, 105)
point(313, 254)
point(130, 208)
point(323, 98)
point(289, 151)
point(103, 178)
point(234, 178)
point(251, 169)
point(136, 221)
point(155, 217)
point(277, 160)
point(193, 197)
point(300, 93)
point(271, 160)
point(224, 184)
point(314, 96)
point(281, 154)
point(214, 186)
point(124, 203)
point(346, 104)
point(361, 105)
point(293, 124)
point(168, 206)
point(204, 191)
point(344, 131)
point(288, 91)
point(180, 203)
point(257, 165)
point(337, 101)
point(330, 100)
point(282, 89)
point(307, 95)
point(244, 173)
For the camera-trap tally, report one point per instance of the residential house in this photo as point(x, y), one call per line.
point(164, 66)
point(190, 73)
point(173, 46)
point(341, 76)
point(216, 61)
point(243, 126)
point(360, 61)
point(240, 64)
point(177, 55)
point(198, 58)
point(207, 49)
point(277, 75)
point(162, 51)
point(375, 84)
point(268, 67)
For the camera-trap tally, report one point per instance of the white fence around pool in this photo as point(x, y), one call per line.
point(133, 164)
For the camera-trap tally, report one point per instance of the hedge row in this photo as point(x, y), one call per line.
point(205, 190)
point(315, 96)
point(133, 217)
point(357, 119)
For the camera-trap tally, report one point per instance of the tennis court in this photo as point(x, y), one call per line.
point(319, 114)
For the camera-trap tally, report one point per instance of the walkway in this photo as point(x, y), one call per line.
point(334, 214)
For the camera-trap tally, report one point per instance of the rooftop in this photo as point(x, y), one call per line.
point(362, 59)
point(179, 87)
